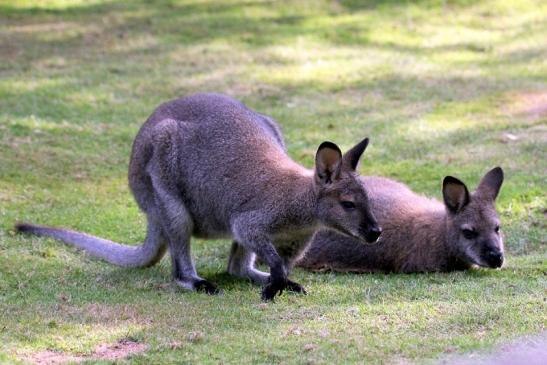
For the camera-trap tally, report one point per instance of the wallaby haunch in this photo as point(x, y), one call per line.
point(207, 166)
point(419, 234)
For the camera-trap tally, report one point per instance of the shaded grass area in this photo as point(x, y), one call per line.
point(437, 85)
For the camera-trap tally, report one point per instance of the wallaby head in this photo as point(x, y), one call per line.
point(342, 200)
point(473, 224)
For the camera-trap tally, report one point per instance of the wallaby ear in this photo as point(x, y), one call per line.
point(351, 157)
point(455, 194)
point(490, 184)
point(328, 162)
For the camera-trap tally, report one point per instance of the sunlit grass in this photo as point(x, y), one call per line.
point(48, 4)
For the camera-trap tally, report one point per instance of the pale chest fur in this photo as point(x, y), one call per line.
point(291, 242)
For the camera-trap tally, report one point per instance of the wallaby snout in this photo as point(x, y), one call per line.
point(372, 234)
point(371, 230)
point(493, 258)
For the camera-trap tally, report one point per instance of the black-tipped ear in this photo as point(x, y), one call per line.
point(351, 158)
point(490, 184)
point(328, 161)
point(455, 194)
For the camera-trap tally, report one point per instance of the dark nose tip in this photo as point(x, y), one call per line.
point(495, 258)
point(373, 234)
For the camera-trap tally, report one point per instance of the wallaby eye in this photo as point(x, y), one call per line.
point(469, 234)
point(348, 205)
point(497, 229)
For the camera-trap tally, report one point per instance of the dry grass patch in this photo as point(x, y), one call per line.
point(117, 351)
point(529, 105)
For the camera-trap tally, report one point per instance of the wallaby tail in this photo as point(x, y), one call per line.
point(145, 255)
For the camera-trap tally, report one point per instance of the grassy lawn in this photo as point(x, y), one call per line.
point(441, 87)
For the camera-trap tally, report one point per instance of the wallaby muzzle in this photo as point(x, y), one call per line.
point(370, 229)
point(372, 234)
point(493, 258)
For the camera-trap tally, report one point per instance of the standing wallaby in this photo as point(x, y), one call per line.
point(207, 166)
point(419, 234)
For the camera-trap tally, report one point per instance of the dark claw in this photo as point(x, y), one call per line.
point(296, 288)
point(272, 289)
point(207, 287)
point(268, 293)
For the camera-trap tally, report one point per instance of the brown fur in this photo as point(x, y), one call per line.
point(419, 234)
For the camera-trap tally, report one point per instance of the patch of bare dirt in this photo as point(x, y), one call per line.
point(531, 105)
point(530, 350)
point(119, 350)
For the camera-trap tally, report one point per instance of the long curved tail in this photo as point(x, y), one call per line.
point(145, 255)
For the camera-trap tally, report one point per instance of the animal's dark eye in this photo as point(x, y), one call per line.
point(469, 234)
point(348, 205)
point(497, 229)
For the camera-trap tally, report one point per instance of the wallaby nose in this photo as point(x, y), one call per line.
point(373, 234)
point(494, 258)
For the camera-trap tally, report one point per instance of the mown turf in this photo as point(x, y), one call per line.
point(441, 87)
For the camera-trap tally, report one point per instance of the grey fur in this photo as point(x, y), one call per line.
point(419, 234)
point(207, 166)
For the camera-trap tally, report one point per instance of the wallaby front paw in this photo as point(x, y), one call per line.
point(207, 287)
point(269, 293)
point(272, 289)
point(295, 287)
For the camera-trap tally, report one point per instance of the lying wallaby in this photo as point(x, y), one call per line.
point(419, 234)
point(208, 166)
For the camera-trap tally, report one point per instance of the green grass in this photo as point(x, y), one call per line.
point(437, 85)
